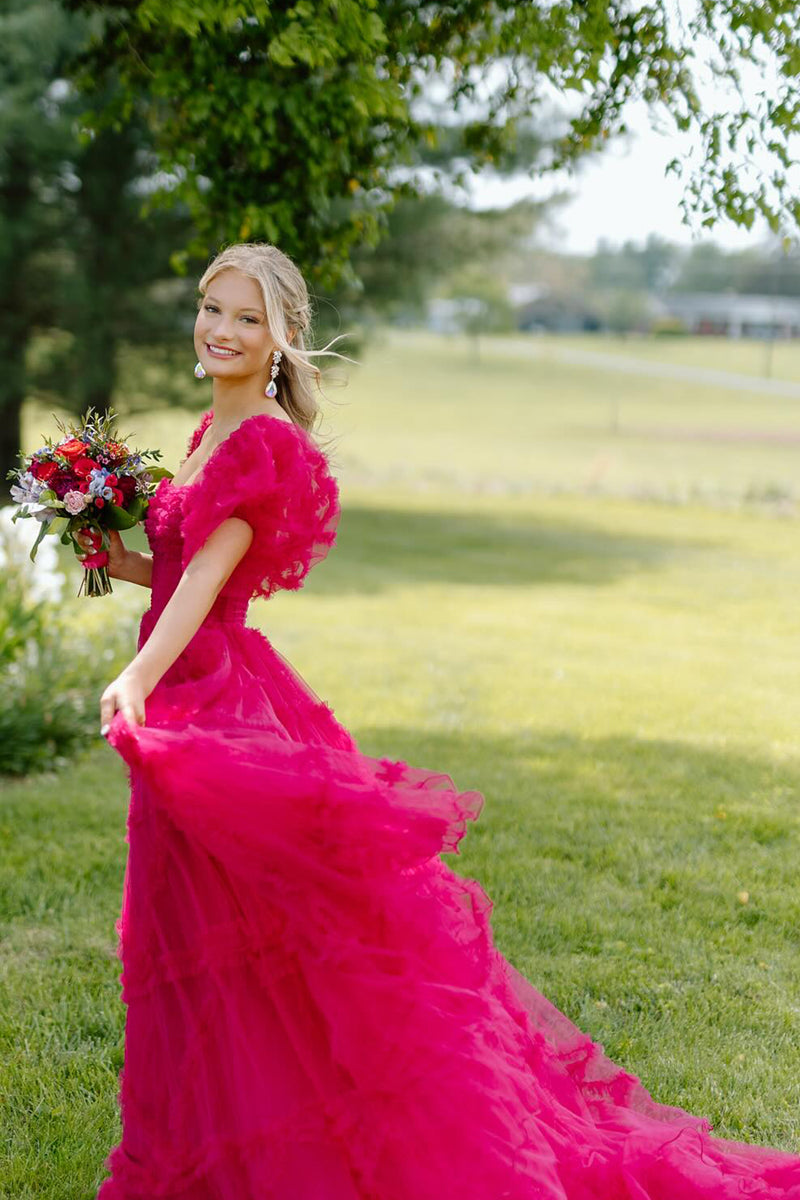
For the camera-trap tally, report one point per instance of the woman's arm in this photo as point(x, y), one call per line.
point(183, 614)
point(135, 567)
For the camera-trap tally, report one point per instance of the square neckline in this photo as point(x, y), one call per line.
point(181, 487)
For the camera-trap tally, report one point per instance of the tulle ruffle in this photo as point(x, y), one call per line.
point(274, 476)
point(325, 935)
point(316, 1008)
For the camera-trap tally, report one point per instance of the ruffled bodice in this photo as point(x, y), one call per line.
point(163, 525)
point(271, 474)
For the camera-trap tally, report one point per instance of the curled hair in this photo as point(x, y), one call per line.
point(288, 308)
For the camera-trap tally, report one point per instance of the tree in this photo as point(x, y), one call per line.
point(767, 270)
point(428, 240)
point(77, 259)
point(650, 267)
point(286, 122)
point(35, 38)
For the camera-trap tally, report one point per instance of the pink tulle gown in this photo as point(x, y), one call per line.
point(315, 1007)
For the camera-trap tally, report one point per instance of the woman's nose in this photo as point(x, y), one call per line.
point(224, 329)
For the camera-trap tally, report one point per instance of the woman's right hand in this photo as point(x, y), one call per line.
point(116, 550)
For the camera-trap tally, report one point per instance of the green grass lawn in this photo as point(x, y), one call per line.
point(745, 356)
point(618, 676)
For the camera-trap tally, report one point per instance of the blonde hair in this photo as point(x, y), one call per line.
point(288, 308)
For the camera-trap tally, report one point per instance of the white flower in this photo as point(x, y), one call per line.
point(27, 489)
point(42, 512)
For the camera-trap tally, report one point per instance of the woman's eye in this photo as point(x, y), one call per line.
point(213, 308)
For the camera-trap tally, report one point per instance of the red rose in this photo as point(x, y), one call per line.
point(43, 470)
point(127, 485)
point(111, 479)
point(73, 448)
point(117, 496)
point(99, 501)
point(83, 467)
point(61, 482)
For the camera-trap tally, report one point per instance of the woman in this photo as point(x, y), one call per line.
point(315, 1008)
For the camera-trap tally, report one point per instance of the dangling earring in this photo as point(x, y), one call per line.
point(271, 390)
point(199, 371)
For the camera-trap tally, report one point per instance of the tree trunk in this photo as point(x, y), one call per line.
point(10, 440)
point(98, 349)
point(16, 197)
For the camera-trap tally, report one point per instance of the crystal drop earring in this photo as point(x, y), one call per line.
point(271, 390)
point(199, 371)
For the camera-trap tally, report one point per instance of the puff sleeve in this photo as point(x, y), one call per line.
point(272, 475)
point(197, 434)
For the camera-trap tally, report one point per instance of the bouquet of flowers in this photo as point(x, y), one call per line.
point(90, 480)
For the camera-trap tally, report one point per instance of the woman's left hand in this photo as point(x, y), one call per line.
point(126, 693)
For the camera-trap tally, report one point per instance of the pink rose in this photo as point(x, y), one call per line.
point(75, 502)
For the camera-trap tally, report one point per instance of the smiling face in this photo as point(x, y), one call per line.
point(231, 334)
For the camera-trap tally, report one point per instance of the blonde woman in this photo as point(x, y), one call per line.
point(315, 1007)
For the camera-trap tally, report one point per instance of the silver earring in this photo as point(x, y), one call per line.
point(199, 371)
point(271, 390)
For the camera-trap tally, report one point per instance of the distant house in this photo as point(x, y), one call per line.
point(728, 315)
point(540, 310)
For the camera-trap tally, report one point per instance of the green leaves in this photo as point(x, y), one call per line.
point(121, 518)
point(287, 123)
point(43, 529)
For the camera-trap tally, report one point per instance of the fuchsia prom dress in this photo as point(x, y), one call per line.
point(315, 1009)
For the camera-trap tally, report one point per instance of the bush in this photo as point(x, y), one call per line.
point(55, 660)
point(669, 327)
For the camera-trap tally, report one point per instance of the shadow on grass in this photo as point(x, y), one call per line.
point(610, 827)
point(379, 548)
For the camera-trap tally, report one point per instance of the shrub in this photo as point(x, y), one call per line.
point(55, 659)
point(669, 327)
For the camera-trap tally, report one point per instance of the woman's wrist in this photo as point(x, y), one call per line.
point(140, 673)
point(134, 568)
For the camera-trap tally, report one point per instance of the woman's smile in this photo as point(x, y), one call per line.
point(220, 351)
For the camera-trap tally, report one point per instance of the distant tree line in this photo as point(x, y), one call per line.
point(658, 265)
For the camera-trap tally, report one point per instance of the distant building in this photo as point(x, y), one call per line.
point(728, 315)
point(540, 310)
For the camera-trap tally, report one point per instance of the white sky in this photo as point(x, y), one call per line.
point(623, 193)
point(620, 194)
